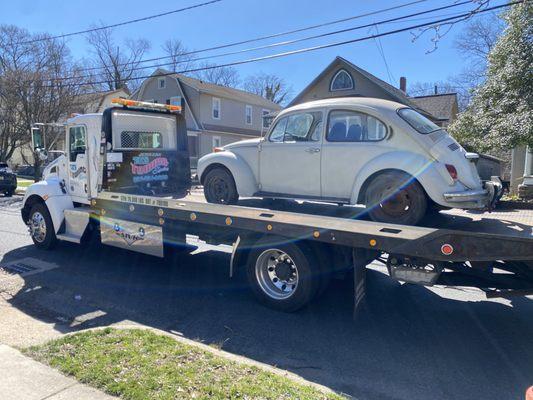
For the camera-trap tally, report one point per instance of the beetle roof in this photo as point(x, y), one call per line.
point(348, 102)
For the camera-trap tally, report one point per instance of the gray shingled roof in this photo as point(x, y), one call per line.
point(223, 91)
point(439, 105)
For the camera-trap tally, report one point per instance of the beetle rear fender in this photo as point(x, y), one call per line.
point(240, 170)
point(52, 195)
point(419, 167)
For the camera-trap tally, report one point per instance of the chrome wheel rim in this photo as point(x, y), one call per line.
point(38, 227)
point(276, 274)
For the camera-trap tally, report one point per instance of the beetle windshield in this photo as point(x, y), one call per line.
point(418, 121)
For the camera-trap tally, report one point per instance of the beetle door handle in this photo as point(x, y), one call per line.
point(312, 150)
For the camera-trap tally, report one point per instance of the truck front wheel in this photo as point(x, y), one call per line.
point(41, 227)
point(219, 187)
point(280, 275)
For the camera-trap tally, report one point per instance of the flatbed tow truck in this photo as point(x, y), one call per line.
point(125, 178)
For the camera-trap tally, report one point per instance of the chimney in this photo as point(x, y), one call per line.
point(403, 84)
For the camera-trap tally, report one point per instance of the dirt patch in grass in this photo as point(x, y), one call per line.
point(140, 364)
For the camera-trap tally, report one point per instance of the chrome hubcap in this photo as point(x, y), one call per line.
point(277, 274)
point(38, 227)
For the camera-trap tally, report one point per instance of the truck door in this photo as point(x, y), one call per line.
point(78, 177)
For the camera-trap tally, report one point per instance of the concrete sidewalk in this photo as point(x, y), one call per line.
point(22, 378)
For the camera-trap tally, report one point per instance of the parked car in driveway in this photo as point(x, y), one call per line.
point(8, 180)
point(351, 151)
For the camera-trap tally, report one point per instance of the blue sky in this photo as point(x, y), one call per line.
point(234, 20)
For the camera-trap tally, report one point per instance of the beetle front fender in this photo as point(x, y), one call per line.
point(51, 193)
point(242, 173)
point(427, 172)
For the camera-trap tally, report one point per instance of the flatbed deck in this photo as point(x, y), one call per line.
point(336, 225)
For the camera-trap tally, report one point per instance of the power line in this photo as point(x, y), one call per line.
point(122, 23)
point(382, 52)
point(308, 49)
point(284, 43)
point(274, 35)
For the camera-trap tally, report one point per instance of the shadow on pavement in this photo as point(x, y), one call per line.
point(408, 343)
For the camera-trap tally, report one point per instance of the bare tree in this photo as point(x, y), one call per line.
point(474, 44)
point(119, 66)
point(479, 37)
point(32, 86)
point(441, 29)
point(269, 86)
point(225, 76)
point(178, 55)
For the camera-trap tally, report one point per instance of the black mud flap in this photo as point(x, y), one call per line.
point(359, 259)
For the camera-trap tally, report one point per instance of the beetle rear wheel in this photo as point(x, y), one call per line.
point(395, 197)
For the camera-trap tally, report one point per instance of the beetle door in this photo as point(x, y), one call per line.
point(289, 160)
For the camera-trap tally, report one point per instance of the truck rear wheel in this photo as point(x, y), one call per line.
point(395, 197)
point(219, 187)
point(280, 274)
point(41, 227)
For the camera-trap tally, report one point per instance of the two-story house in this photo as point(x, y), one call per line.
point(216, 115)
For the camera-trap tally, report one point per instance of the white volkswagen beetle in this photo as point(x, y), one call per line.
point(351, 151)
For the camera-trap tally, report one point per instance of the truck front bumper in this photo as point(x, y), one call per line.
point(484, 198)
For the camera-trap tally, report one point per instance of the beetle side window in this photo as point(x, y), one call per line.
point(353, 126)
point(418, 121)
point(303, 127)
point(279, 131)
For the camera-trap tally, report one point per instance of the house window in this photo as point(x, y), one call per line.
point(216, 141)
point(353, 126)
point(249, 115)
point(216, 108)
point(266, 119)
point(341, 81)
point(161, 83)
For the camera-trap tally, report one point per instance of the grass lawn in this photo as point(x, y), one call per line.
point(140, 364)
point(21, 182)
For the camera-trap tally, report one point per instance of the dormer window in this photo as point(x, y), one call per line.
point(341, 81)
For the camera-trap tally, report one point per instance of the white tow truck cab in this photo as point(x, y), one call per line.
point(138, 148)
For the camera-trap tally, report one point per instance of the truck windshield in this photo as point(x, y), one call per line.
point(418, 121)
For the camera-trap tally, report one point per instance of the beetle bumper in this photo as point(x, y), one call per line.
point(484, 198)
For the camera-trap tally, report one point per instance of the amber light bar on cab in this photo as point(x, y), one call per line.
point(146, 105)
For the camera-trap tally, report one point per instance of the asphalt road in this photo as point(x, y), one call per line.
point(409, 342)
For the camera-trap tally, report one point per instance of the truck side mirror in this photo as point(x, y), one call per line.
point(42, 153)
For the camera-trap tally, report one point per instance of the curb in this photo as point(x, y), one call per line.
point(223, 354)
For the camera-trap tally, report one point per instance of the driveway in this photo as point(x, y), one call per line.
point(409, 342)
